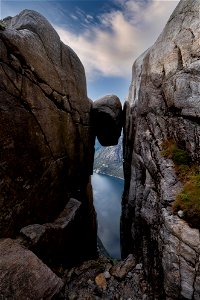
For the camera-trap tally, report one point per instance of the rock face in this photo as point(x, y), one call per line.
point(47, 151)
point(23, 275)
point(46, 144)
point(163, 104)
point(47, 141)
point(107, 119)
point(57, 243)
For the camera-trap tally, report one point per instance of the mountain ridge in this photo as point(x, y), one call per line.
point(109, 160)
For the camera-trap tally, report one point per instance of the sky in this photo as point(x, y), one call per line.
point(106, 35)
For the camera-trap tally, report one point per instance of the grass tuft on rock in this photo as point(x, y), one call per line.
point(188, 200)
point(2, 25)
point(172, 151)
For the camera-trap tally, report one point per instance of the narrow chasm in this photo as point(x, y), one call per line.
point(65, 233)
point(48, 228)
point(107, 276)
point(107, 179)
point(107, 194)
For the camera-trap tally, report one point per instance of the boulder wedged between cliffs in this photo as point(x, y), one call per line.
point(48, 128)
point(107, 120)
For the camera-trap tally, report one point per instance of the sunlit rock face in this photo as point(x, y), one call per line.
point(46, 137)
point(163, 104)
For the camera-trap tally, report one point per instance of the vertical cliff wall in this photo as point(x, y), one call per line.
point(163, 108)
point(46, 137)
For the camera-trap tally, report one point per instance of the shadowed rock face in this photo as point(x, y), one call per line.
point(107, 119)
point(47, 131)
point(47, 149)
point(163, 104)
point(46, 137)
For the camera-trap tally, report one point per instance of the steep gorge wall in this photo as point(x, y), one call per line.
point(45, 124)
point(163, 105)
point(47, 141)
point(47, 217)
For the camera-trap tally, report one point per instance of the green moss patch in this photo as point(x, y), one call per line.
point(188, 200)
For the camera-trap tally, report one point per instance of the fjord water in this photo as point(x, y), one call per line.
point(107, 192)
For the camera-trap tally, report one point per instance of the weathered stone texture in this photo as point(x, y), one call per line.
point(163, 103)
point(57, 243)
point(121, 269)
point(46, 137)
point(23, 275)
point(94, 280)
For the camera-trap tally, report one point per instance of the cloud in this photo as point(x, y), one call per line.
point(122, 34)
point(74, 17)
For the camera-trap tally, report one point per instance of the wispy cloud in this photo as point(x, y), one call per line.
point(108, 43)
point(74, 17)
point(122, 34)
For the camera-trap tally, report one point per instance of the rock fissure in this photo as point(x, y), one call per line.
point(48, 128)
point(59, 103)
point(180, 58)
point(11, 81)
point(25, 104)
point(38, 34)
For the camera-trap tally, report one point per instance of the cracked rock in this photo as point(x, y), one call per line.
point(23, 275)
point(46, 136)
point(163, 104)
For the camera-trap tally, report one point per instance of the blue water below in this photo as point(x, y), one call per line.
point(107, 193)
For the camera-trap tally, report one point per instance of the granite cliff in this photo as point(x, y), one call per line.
point(42, 109)
point(48, 129)
point(161, 144)
point(47, 217)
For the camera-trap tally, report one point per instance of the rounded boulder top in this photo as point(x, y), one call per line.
point(107, 119)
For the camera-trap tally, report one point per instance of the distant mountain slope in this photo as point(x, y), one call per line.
point(108, 160)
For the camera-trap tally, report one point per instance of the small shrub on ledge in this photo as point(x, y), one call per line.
point(188, 200)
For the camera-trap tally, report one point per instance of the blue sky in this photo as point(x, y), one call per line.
point(106, 35)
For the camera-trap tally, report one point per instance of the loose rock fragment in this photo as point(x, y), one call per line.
point(23, 275)
point(101, 281)
point(121, 269)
